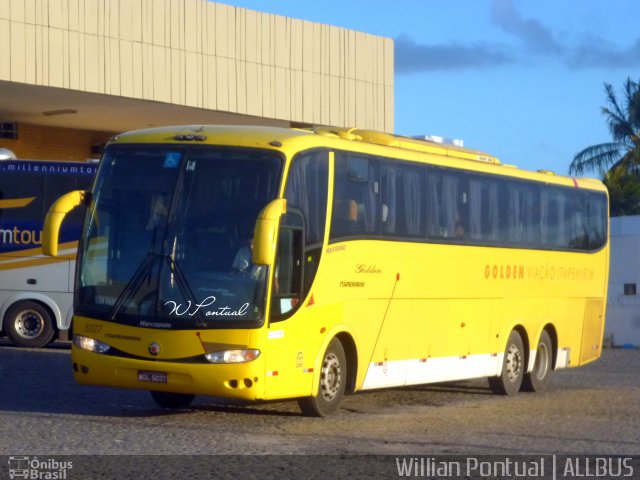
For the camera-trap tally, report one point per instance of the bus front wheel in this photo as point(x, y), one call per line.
point(29, 324)
point(172, 400)
point(333, 378)
point(513, 366)
point(538, 379)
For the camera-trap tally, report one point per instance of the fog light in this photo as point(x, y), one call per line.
point(233, 356)
point(90, 344)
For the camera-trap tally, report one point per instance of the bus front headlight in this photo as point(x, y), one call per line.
point(90, 344)
point(233, 356)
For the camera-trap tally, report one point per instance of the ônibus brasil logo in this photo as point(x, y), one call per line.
point(38, 469)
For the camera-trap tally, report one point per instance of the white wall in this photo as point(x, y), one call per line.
point(623, 311)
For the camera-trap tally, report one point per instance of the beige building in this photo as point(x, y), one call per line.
point(74, 72)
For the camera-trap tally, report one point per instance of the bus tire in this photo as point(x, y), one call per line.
point(333, 379)
point(513, 366)
point(29, 324)
point(538, 379)
point(172, 400)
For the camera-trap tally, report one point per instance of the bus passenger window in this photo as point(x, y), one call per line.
point(356, 197)
point(483, 210)
point(597, 220)
point(345, 213)
point(448, 205)
point(403, 203)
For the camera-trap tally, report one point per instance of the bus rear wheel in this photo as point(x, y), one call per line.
point(513, 366)
point(29, 324)
point(333, 378)
point(538, 379)
point(172, 400)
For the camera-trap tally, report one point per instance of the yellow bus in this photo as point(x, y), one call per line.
point(266, 263)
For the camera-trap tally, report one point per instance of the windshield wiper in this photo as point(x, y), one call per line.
point(142, 273)
point(133, 285)
point(183, 286)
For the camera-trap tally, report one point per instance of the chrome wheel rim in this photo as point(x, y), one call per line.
point(514, 363)
point(29, 324)
point(330, 377)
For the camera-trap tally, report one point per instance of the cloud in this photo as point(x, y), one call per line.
point(536, 37)
point(537, 42)
point(412, 57)
point(591, 51)
point(595, 52)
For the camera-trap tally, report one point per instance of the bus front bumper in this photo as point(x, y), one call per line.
point(237, 380)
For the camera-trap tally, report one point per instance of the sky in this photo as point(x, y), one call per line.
point(520, 79)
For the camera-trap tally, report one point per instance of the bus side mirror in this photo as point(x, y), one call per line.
point(266, 232)
point(54, 219)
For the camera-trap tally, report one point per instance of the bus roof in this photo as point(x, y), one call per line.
point(254, 136)
point(280, 139)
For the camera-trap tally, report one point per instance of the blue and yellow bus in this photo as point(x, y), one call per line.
point(36, 290)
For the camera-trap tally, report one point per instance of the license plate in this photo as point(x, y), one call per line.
point(154, 377)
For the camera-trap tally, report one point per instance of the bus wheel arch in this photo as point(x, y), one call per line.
point(351, 353)
point(332, 382)
point(30, 323)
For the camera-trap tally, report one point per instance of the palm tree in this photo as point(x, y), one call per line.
point(624, 192)
point(624, 124)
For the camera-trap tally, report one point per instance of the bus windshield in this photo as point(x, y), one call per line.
point(167, 241)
